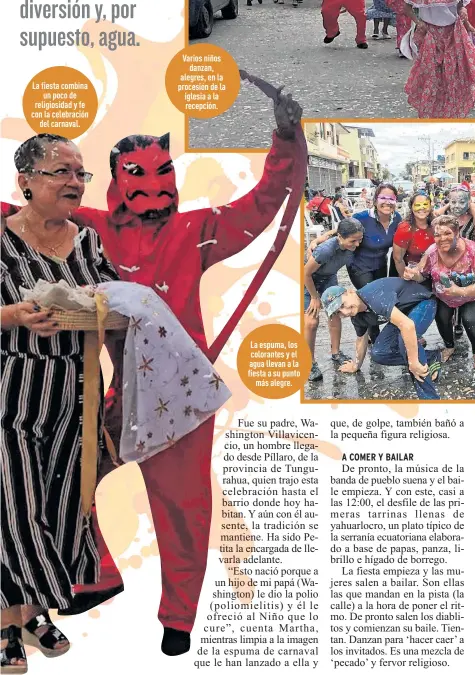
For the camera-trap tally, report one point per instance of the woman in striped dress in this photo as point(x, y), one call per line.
point(47, 543)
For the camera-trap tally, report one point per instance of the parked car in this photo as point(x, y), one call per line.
point(406, 185)
point(355, 185)
point(201, 14)
point(407, 189)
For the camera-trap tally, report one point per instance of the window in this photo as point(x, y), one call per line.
point(466, 155)
point(331, 134)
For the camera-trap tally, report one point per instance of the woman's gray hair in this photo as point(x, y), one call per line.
point(34, 150)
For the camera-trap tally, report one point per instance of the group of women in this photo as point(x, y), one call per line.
point(431, 247)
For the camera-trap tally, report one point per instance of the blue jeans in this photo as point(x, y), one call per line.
point(390, 350)
point(321, 284)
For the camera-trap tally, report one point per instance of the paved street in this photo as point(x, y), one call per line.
point(284, 45)
point(456, 380)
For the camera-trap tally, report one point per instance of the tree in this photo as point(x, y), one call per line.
point(407, 174)
point(386, 174)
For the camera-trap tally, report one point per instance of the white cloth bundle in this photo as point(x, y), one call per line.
point(408, 47)
point(169, 386)
point(59, 295)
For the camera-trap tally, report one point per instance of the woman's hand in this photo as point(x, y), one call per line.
point(410, 273)
point(418, 370)
point(349, 367)
point(314, 307)
point(453, 291)
point(29, 315)
point(287, 114)
point(441, 210)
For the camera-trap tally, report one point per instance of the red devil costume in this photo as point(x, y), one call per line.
point(331, 11)
point(150, 243)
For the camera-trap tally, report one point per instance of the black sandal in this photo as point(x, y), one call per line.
point(13, 651)
point(47, 642)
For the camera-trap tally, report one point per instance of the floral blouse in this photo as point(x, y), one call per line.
point(434, 267)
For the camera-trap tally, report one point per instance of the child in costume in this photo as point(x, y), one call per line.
point(331, 10)
point(441, 83)
point(380, 12)
point(403, 22)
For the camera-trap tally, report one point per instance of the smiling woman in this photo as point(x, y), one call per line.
point(48, 547)
point(413, 236)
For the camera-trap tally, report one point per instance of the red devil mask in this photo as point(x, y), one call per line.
point(143, 182)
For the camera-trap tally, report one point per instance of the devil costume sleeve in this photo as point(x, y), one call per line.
point(235, 225)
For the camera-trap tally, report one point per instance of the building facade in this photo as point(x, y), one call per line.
point(370, 162)
point(460, 159)
point(423, 169)
point(327, 159)
point(350, 143)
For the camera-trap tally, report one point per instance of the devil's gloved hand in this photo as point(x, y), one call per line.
point(287, 114)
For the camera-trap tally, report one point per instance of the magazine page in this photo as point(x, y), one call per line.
point(238, 315)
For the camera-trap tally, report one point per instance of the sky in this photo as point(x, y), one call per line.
point(400, 143)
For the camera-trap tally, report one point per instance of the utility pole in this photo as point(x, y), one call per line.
point(430, 147)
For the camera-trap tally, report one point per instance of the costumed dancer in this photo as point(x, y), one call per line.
point(442, 80)
point(147, 240)
point(380, 12)
point(470, 25)
point(331, 10)
point(403, 22)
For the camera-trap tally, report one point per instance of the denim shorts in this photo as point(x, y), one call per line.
point(321, 284)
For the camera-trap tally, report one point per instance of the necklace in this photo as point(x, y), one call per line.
point(41, 243)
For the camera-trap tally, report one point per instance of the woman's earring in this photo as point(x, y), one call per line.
point(28, 194)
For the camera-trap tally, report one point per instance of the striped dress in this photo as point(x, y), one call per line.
point(47, 544)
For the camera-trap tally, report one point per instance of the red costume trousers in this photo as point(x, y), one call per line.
point(178, 482)
point(331, 12)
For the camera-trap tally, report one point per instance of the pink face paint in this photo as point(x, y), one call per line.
point(387, 200)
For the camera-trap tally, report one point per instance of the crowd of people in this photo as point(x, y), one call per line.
point(406, 273)
point(438, 36)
